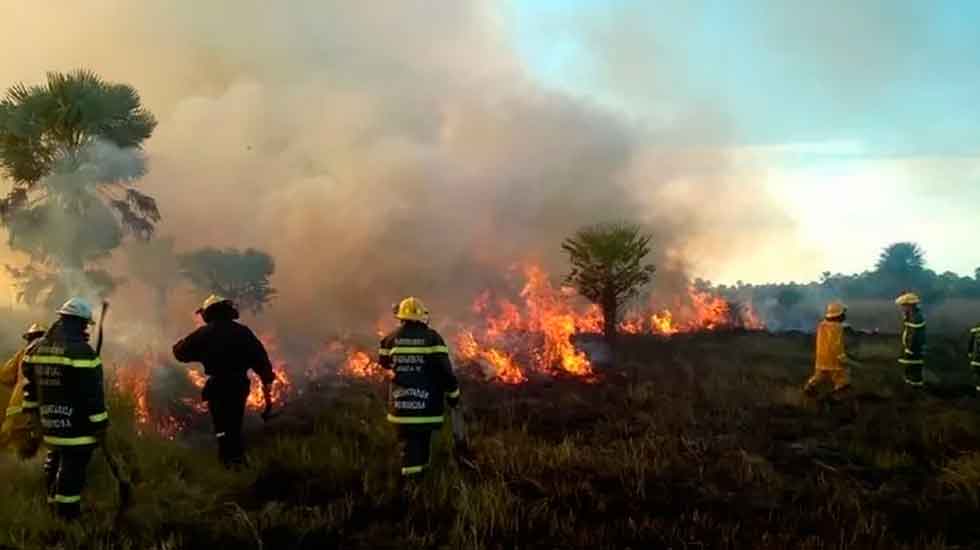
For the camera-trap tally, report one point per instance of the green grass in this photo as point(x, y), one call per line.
point(700, 442)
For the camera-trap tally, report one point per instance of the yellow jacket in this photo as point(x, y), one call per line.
point(13, 420)
point(830, 346)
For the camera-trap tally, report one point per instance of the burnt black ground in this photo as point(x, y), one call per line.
point(700, 441)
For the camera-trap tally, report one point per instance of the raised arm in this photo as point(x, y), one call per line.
point(193, 347)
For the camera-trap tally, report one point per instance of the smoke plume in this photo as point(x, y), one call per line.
point(379, 152)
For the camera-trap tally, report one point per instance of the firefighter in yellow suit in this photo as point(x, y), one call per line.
point(832, 362)
point(18, 432)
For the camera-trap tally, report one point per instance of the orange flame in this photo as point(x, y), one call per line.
point(536, 334)
point(539, 330)
point(360, 365)
point(499, 364)
point(284, 384)
point(697, 310)
point(663, 323)
point(136, 378)
point(353, 361)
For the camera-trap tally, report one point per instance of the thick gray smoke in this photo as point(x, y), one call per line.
point(378, 152)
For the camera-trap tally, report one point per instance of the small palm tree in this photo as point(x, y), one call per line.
point(607, 267)
point(72, 150)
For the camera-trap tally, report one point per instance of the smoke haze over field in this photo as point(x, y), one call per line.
point(377, 153)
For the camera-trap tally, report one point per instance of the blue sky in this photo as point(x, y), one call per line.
point(869, 110)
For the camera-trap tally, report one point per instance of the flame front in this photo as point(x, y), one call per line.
point(532, 332)
point(167, 396)
point(535, 335)
point(359, 364)
point(135, 379)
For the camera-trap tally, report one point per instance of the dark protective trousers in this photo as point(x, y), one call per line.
point(64, 471)
point(226, 402)
point(414, 443)
point(913, 373)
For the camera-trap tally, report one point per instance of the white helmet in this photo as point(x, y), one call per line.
point(77, 307)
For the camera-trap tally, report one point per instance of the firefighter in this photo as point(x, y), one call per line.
point(423, 381)
point(17, 431)
point(63, 390)
point(227, 349)
point(974, 355)
point(834, 338)
point(913, 339)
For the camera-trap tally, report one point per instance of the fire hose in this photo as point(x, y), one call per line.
point(115, 465)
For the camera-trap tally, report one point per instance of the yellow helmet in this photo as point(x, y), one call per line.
point(211, 300)
point(412, 309)
point(835, 309)
point(907, 299)
point(36, 329)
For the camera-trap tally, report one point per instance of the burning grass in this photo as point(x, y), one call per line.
point(536, 331)
point(702, 440)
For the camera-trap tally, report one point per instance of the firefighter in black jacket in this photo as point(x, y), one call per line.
point(64, 388)
point(423, 380)
point(227, 350)
point(973, 352)
point(913, 339)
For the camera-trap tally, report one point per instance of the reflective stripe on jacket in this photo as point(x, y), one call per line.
point(423, 377)
point(227, 349)
point(64, 382)
point(913, 339)
point(973, 351)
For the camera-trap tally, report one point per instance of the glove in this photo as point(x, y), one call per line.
point(453, 401)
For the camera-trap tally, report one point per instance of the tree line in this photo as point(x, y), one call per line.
point(900, 267)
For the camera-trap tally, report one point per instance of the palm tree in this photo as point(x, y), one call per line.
point(901, 259)
point(901, 267)
point(72, 150)
point(607, 267)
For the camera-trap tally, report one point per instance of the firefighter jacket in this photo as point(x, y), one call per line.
point(227, 349)
point(64, 383)
point(974, 349)
point(913, 339)
point(11, 376)
point(833, 339)
point(423, 378)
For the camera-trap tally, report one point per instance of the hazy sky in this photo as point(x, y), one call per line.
point(763, 140)
point(863, 114)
